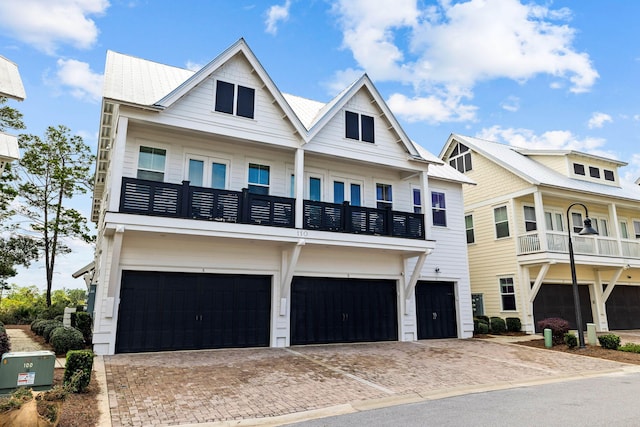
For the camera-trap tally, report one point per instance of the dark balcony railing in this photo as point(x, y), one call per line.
point(358, 219)
point(184, 201)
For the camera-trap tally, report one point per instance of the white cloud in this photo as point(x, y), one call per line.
point(555, 139)
point(511, 104)
point(76, 75)
point(431, 109)
point(632, 170)
point(275, 15)
point(450, 47)
point(46, 24)
point(193, 66)
point(598, 120)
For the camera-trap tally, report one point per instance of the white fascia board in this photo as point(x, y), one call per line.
point(9, 149)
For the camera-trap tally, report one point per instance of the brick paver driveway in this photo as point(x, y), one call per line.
point(175, 388)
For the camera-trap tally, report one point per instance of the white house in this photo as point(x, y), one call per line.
point(230, 214)
point(10, 87)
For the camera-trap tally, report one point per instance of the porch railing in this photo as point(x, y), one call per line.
point(185, 201)
point(592, 245)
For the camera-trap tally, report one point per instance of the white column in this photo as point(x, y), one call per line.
point(540, 221)
point(299, 186)
point(116, 164)
point(426, 203)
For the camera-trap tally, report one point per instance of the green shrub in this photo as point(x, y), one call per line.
point(570, 340)
point(77, 373)
point(558, 327)
point(609, 341)
point(482, 317)
point(49, 327)
point(630, 347)
point(5, 343)
point(35, 325)
point(497, 325)
point(82, 321)
point(51, 312)
point(513, 324)
point(483, 328)
point(59, 318)
point(66, 338)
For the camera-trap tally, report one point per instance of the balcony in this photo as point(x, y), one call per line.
point(593, 245)
point(184, 201)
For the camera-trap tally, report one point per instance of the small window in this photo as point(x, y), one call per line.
point(417, 201)
point(218, 175)
point(530, 219)
point(338, 192)
point(508, 294)
point(636, 229)
point(359, 127)
point(151, 163)
point(315, 189)
point(292, 186)
point(355, 195)
point(594, 172)
point(244, 99)
point(608, 175)
point(601, 226)
point(196, 172)
point(460, 158)
point(501, 221)
point(258, 179)
point(578, 169)
point(384, 199)
point(468, 223)
point(438, 209)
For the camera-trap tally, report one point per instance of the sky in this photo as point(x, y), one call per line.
point(536, 74)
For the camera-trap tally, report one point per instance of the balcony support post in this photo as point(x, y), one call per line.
point(415, 274)
point(289, 262)
point(544, 269)
point(541, 224)
point(612, 284)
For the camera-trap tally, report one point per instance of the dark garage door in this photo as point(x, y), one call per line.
point(181, 311)
point(436, 310)
point(328, 310)
point(623, 307)
point(557, 301)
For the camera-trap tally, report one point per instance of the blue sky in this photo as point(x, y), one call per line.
point(540, 74)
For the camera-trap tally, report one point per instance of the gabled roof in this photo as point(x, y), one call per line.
point(562, 153)
point(513, 160)
point(442, 170)
point(337, 103)
point(10, 81)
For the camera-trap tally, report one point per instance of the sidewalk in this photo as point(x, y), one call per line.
point(20, 341)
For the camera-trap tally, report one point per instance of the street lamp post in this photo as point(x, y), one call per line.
point(586, 231)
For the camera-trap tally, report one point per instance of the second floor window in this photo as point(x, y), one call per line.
point(235, 99)
point(636, 229)
point(468, 224)
point(204, 172)
point(151, 163)
point(530, 219)
point(501, 220)
point(359, 126)
point(258, 179)
point(438, 209)
point(460, 158)
point(339, 193)
point(417, 201)
point(624, 231)
point(384, 198)
point(315, 189)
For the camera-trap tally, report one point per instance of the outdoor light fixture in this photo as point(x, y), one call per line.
point(586, 231)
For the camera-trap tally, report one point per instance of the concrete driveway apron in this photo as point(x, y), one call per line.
point(276, 385)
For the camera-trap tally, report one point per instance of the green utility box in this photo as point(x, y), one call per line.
point(32, 369)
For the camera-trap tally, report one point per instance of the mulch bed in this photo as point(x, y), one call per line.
point(78, 409)
point(589, 350)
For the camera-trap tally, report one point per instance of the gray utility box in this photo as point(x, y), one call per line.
point(32, 369)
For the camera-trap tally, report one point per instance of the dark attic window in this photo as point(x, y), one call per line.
point(608, 175)
point(578, 169)
point(359, 127)
point(229, 96)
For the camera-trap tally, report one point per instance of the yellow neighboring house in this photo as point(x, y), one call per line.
point(518, 218)
point(10, 87)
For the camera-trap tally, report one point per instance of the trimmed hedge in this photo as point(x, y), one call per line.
point(66, 338)
point(49, 327)
point(77, 373)
point(5, 344)
point(483, 328)
point(82, 321)
point(558, 327)
point(609, 341)
point(630, 348)
point(513, 324)
point(498, 325)
point(37, 326)
point(570, 340)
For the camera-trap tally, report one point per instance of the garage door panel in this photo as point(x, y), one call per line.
point(436, 310)
point(179, 311)
point(330, 310)
point(623, 307)
point(557, 301)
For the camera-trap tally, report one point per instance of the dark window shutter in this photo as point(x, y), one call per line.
point(351, 128)
point(246, 101)
point(367, 128)
point(224, 97)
